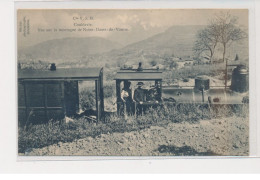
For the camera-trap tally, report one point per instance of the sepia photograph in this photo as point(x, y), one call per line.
point(132, 82)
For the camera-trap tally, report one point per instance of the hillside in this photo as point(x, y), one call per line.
point(177, 40)
point(68, 48)
point(96, 51)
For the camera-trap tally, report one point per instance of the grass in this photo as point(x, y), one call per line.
point(87, 97)
point(196, 70)
point(38, 136)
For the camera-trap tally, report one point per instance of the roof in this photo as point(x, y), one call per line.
point(60, 74)
point(134, 75)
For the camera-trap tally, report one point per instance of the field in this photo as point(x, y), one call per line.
point(216, 137)
point(187, 130)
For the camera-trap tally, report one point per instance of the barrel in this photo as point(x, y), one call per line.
point(240, 79)
point(201, 82)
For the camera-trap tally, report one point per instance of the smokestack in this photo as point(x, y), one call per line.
point(140, 67)
point(53, 67)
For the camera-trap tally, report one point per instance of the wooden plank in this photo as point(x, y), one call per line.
point(35, 94)
point(118, 96)
point(25, 101)
point(21, 95)
point(41, 108)
point(37, 80)
point(160, 89)
point(96, 92)
point(53, 94)
point(102, 92)
point(77, 95)
point(60, 73)
point(62, 97)
point(45, 100)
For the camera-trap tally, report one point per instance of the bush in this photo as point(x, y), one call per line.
point(194, 71)
point(153, 63)
point(87, 99)
point(109, 91)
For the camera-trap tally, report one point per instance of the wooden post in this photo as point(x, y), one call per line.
point(62, 98)
point(118, 98)
point(45, 100)
point(101, 92)
point(77, 95)
point(202, 94)
point(97, 99)
point(160, 89)
point(25, 101)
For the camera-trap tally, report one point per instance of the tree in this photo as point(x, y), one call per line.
point(223, 29)
point(229, 32)
point(227, 28)
point(236, 58)
point(207, 40)
point(153, 63)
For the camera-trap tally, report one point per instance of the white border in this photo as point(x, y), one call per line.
point(8, 153)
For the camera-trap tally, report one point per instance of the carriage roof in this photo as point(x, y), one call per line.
point(134, 75)
point(60, 74)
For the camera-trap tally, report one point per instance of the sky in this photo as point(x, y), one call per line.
point(138, 24)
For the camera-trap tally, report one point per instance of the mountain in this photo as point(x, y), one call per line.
point(96, 51)
point(67, 48)
point(177, 40)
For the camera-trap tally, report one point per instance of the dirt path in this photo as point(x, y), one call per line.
point(209, 137)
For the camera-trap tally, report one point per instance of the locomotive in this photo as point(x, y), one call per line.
point(201, 93)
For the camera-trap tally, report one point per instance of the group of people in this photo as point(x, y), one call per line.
point(135, 102)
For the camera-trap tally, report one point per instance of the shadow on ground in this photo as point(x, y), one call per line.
point(183, 151)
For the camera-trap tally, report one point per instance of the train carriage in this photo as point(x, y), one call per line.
point(53, 94)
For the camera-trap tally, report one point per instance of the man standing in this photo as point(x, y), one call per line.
point(126, 97)
point(139, 97)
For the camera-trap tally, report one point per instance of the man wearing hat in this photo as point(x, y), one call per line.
point(126, 96)
point(139, 97)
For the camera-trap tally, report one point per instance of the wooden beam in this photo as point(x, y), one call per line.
point(58, 79)
point(102, 92)
point(97, 97)
point(62, 98)
point(118, 96)
point(77, 96)
point(25, 102)
point(45, 100)
point(41, 108)
point(160, 89)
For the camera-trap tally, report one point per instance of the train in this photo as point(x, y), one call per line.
point(201, 93)
point(53, 94)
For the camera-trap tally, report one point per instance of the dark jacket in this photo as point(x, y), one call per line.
point(139, 95)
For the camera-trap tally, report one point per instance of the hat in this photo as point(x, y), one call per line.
point(140, 84)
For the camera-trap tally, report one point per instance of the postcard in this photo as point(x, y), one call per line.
point(133, 82)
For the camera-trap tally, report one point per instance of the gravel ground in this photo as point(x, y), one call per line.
point(222, 137)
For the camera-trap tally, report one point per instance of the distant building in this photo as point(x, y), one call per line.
point(180, 64)
point(188, 62)
point(176, 59)
point(204, 60)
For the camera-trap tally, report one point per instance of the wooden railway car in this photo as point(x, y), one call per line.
point(53, 94)
point(137, 75)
